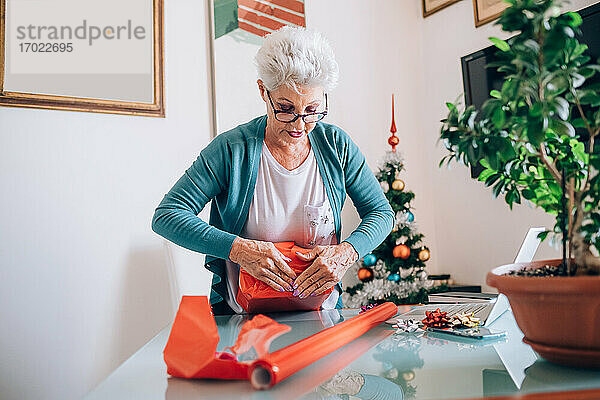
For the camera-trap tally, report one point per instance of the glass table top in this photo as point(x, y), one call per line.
point(381, 364)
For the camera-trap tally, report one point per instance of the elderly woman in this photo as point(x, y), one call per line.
point(281, 177)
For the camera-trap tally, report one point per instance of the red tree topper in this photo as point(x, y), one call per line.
point(393, 140)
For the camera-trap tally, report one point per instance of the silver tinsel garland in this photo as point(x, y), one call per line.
point(402, 221)
point(379, 289)
point(394, 158)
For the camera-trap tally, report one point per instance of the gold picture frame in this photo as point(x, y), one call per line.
point(431, 6)
point(485, 11)
point(83, 104)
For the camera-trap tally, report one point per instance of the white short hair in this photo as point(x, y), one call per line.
point(295, 56)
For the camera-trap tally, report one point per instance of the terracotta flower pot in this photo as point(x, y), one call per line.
point(559, 316)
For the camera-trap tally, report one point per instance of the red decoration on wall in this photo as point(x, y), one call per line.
point(266, 16)
point(393, 140)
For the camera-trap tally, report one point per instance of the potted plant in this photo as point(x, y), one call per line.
point(535, 140)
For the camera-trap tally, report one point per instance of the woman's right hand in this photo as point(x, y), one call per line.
point(263, 261)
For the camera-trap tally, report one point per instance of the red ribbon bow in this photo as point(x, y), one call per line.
point(436, 319)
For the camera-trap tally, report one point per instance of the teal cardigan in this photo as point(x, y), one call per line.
point(226, 171)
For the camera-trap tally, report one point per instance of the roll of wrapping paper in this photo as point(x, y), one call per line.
point(279, 365)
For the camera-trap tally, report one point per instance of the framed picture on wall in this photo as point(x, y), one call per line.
point(487, 10)
point(238, 29)
point(431, 6)
point(74, 55)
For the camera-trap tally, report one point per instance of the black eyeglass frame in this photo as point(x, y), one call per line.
point(322, 114)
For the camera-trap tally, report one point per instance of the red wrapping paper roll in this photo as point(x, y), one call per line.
point(277, 366)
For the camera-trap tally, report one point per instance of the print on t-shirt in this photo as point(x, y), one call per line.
point(319, 228)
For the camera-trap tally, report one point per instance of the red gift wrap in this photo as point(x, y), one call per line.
point(191, 350)
point(256, 296)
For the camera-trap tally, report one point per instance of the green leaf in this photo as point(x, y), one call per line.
point(579, 50)
point(578, 149)
point(498, 188)
point(505, 148)
point(509, 87)
point(587, 71)
point(517, 197)
point(593, 87)
point(528, 194)
point(495, 93)
point(536, 110)
point(535, 132)
point(484, 163)
point(471, 120)
point(499, 43)
point(543, 235)
point(492, 179)
point(558, 84)
point(590, 98)
point(472, 155)
point(562, 127)
point(532, 45)
point(450, 106)
point(583, 59)
point(498, 118)
point(492, 158)
point(593, 67)
point(490, 106)
point(554, 187)
point(568, 31)
point(562, 108)
point(485, 174)
point(508, 198)
point(576, 19)
point(578, 79)
point(512, 196)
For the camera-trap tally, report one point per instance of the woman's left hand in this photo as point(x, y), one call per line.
point(329, 266)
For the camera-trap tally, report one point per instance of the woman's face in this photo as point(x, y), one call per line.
point(310, 100)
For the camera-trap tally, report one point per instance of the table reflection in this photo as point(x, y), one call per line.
point(544, 376)
point(362, 386)
point(397, 358)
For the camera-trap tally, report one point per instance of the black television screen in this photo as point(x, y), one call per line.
point(478, 80)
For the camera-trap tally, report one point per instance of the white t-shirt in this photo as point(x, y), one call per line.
point(287, 206)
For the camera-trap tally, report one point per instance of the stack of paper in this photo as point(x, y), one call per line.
point(461, 297)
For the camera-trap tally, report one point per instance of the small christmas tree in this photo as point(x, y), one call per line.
point(394, 271)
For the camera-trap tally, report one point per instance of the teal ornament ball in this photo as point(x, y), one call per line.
point(370, 260)
point(410, 216)
point(394, 277)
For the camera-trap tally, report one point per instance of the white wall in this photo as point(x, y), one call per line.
point(84, 282)
point(83, 278)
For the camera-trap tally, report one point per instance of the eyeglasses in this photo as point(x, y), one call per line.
point(287, 116)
